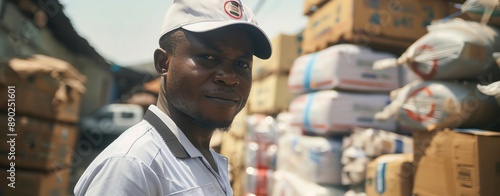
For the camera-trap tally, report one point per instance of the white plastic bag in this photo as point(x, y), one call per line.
point(484, 9)
point(456, 49)
point(439, 104)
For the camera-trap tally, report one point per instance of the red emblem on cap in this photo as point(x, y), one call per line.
point(233, 9)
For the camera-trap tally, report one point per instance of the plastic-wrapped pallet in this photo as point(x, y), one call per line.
point(366, 144)
point(439, 104)
point(456, 49)
point(331, 111)
point(289, 184)
point(261, 129)
point(316, 159)
point(261, 155)
point(342, 66)
point(258, 181)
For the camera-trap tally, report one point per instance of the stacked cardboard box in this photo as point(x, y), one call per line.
point(382, 24)
point(45, 93)
point(269, 94)
point(233, 147)
point(390, 175)
point(456, 162)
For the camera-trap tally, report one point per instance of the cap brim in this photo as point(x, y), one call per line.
point(262, 45)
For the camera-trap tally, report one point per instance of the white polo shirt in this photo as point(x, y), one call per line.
point(140, 162)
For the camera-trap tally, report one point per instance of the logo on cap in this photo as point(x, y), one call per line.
point(233, 9)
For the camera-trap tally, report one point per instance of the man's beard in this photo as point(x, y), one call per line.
point(199, 119)
point(211, 124)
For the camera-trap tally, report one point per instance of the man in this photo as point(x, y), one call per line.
point(204, 59)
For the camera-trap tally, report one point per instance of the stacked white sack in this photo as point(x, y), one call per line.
point(456, 49)
point(366, 144)
point(316, 159)
point(289, 184)
point(343, 66)
point(439, 104)
point(260, 155)
point(262, 129)
point(258, 181)
point(331, 111)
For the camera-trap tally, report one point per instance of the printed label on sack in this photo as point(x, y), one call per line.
point(424, 71)
point(421, 109)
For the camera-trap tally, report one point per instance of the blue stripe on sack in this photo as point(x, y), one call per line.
point(307, 123)
point(308, 72)
point(380, 178)
point(399, 145)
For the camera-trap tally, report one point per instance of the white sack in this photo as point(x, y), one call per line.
point(439, 104)
point(289, 184)
point(456, 49)
point(343, 66)
point(315, 159)
point(331, 111)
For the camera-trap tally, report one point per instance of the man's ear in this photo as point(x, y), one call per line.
point(161, 61)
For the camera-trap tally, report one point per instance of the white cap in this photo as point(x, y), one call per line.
point(206, 15)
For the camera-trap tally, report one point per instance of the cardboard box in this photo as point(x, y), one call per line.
point(36, 96)
point(239, 127)
point(286, 48)
point(390, 175)
point(234, 149)
point(270, 95)
point(39, 144)
point(460, 162)
point(54, 183)
point(379, 24)
point(311, 6)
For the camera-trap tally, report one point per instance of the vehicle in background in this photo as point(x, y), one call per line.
point(113, 119)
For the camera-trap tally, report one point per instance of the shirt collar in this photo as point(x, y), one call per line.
point(179, 144)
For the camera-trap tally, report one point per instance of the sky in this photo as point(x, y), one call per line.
point(126, 32)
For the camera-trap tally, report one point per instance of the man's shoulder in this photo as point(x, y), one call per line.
point(140, 141)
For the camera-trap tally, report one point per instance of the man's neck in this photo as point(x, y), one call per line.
point(199, 137)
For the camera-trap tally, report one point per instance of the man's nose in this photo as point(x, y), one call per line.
point(227, 75)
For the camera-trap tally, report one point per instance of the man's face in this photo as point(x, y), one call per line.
point(210, 76)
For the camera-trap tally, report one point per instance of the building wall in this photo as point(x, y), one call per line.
point(19, 37)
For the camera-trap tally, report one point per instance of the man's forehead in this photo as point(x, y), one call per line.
point(218, 40)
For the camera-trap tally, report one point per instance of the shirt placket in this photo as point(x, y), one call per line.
point(215, 174)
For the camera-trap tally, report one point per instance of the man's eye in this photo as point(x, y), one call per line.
point(209, 57)
point(242, 64)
